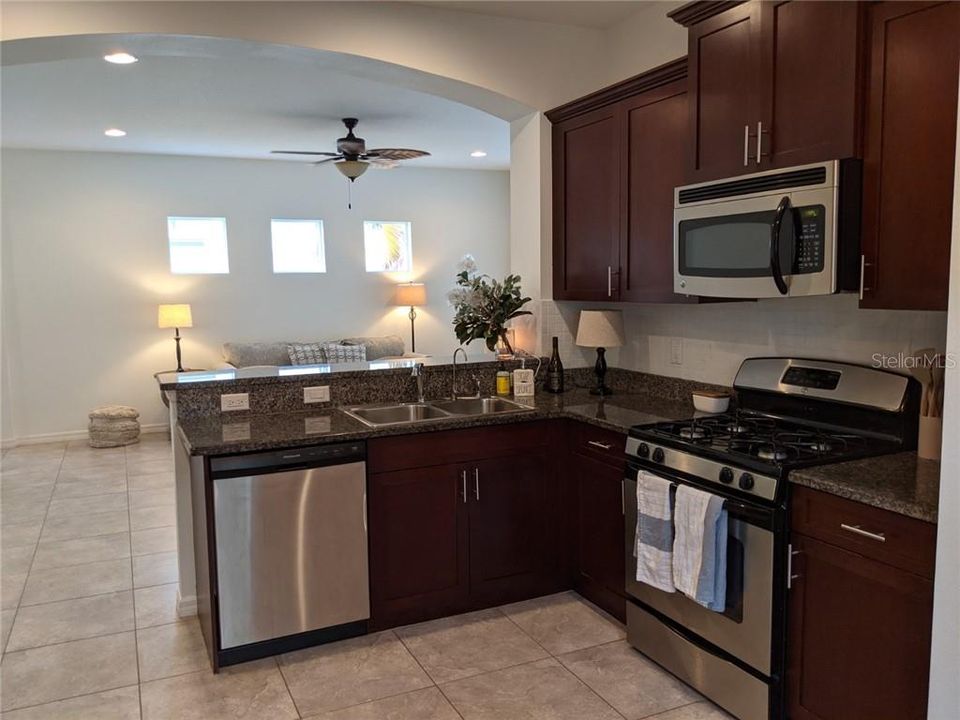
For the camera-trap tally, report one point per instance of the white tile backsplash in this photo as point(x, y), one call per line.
point(718, 336)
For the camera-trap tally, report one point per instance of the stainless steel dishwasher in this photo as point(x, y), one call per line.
point(291, 548)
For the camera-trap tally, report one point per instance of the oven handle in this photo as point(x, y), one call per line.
point(775, 268)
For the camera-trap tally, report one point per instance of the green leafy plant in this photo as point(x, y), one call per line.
point(484, 305)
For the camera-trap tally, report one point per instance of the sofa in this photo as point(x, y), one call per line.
point(259, 354)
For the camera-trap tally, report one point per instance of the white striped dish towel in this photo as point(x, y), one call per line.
point(700, 547)
point(654, 538)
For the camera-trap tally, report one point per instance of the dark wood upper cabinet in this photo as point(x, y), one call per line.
point(772, 84)
point(617, 156)
point(586, 168)
point(909, 146)
point(724, 92)
point(656, 139)
point(810, 88)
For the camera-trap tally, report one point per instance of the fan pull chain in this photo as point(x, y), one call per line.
point(349, 195)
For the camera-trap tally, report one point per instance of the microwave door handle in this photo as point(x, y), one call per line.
point(775, 268)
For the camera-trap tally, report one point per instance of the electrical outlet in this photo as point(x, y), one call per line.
point(235, 401)
point(676, 351)
point(316, 394)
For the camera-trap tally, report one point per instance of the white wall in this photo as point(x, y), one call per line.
point(644, 40)
point(86, 238)
point(945, 654)
point(716, 337)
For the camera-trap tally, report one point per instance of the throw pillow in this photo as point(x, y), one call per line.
point(337, 353)
point(306, 353)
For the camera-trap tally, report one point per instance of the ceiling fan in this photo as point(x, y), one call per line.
point(352, 157)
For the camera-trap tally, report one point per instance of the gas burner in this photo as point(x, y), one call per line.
point(771, 452)
point(820, 446)
point(693, 433)
point(736, 428)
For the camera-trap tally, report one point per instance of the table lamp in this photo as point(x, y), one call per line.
point(176, 317)
point(600, 329)
point(412, 295)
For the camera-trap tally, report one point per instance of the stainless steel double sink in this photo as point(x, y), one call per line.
point(407, 413)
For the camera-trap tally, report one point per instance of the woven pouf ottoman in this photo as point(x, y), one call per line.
point(113, 426)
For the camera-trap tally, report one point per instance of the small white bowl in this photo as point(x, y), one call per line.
point(710, 402)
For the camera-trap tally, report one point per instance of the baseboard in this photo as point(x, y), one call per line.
point(148, 429)
point(186, 606)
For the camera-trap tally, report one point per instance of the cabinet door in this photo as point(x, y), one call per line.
point(810, 83)
point(909, 146)
point(859, 642)
point(418, 563)
point(586, 206)
point(724, 92)
point(656, 136)
point(600, 558)
point(508, 530)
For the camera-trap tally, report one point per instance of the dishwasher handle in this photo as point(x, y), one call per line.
point(290, 459)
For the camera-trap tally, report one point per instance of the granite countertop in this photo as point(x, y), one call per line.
point(902, 483)
point(236, 433)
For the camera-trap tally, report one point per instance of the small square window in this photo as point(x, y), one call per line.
point(387, 246)
point(298, 246)
point(198, 245)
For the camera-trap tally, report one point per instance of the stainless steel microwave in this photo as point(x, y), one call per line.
point(778, 233)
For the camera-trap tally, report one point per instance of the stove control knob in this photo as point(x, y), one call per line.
point(726, 475)
point(658, 455)
point(644, 450)
point(746, 481)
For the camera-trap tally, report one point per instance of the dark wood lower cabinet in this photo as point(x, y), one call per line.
point(509, 547)
point(600, 562)
point(418, 530)
point(860, 624)
point(458, 536)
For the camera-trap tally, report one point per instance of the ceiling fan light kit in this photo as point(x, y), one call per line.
point(352, 157)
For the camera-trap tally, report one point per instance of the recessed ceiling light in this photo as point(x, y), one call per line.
point(121, 58)
point(114, 132)
point(478, 153)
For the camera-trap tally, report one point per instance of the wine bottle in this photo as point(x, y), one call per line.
point(554, 382)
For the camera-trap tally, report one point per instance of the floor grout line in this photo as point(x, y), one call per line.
point(133, 594)
point(33, 557)
point(72, 697)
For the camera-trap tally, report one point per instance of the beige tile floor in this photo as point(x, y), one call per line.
point(89, 628)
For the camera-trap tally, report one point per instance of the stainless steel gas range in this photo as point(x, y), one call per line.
point(791, 413)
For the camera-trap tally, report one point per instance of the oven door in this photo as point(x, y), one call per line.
point(774, 245)
point(744, 630)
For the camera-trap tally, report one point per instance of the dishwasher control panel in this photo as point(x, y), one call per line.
point(279, 460)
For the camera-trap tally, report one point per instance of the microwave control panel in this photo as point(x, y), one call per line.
point(810, 239)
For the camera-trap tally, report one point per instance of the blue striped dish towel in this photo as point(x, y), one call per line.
point(700, 547)
point(654, 538)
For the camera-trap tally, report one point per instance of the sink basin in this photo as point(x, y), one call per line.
point(394, 414)
point(405, 413)
point(479, 406)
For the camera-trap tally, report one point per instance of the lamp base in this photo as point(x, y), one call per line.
point(601, 370)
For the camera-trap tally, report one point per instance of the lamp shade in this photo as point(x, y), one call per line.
point(352, 168)
point(600, 328)
point(174, 316)
point(410, 295)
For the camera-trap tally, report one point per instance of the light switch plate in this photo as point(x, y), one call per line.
point(316, 394)
point(676, 351)
point(234, 401)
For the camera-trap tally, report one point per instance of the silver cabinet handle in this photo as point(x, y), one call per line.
point(790, 576)
point(597, 443)
point(476, 483)
point(857, 530)
point(463, 486)
point(746, 145)
point(863, 274)
point(623, 497)
point(609, 281)
point(759, 140)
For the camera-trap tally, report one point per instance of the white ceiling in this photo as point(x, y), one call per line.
point(597, 14)
point(190, 96)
